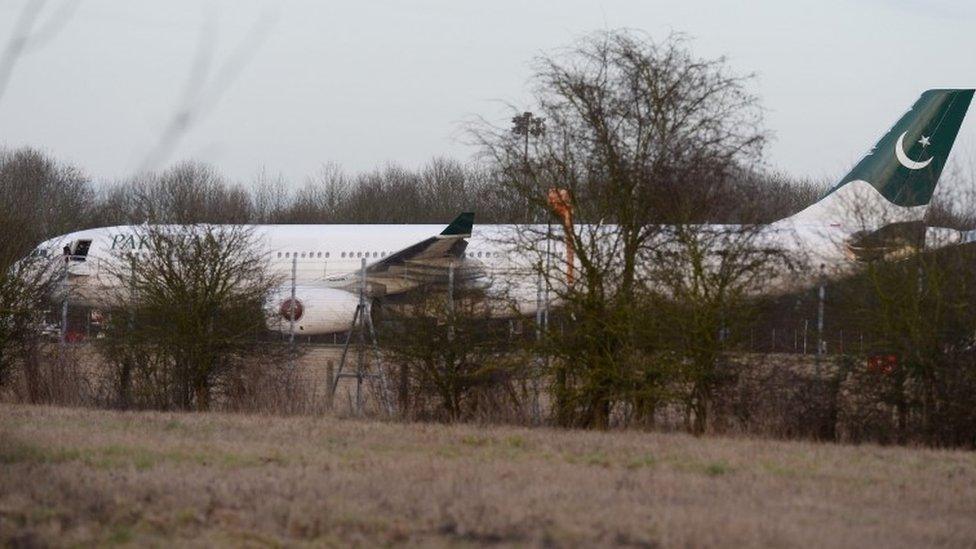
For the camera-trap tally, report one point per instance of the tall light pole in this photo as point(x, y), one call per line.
point(528, 125)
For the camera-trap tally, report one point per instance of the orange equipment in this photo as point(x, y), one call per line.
point(561, 202)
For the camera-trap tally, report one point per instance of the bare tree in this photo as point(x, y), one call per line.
point(189, 192)
point(321, 200)
point(270, 198)
point(189, 313)
point(39, 199)
point(637, 133)
point(26, 286)
point(699, 286)
point(454, 362)
point(920, 363)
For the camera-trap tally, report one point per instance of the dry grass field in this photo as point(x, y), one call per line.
point(74, 476)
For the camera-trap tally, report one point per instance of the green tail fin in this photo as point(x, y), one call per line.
point(461, 225)
point(905, 165)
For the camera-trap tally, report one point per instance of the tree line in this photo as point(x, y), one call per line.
point(44, 197)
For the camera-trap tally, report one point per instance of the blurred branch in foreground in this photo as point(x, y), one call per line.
point(205, 87)
point(30, 34)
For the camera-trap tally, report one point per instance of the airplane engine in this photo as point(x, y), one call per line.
point(317, 311)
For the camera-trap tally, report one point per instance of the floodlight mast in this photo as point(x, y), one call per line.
point(528, 125)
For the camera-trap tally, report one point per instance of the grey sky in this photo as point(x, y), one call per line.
point(363, 83)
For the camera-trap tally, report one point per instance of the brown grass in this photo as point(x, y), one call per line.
point(73, 476)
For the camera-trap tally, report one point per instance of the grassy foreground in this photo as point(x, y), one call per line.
point(71, 476)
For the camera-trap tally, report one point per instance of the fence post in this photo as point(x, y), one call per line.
point(330, 379)
point(806, 323)
point(361, 359)
point(63, 336)
point(291, 306)
point(536, 411)
point(821, 297)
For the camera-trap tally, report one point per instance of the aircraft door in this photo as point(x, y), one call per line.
point(78, 250)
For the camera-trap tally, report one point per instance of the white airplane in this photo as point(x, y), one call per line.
point(859, 219)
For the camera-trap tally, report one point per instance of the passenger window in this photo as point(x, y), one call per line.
point(343, 254)
point(326, 255)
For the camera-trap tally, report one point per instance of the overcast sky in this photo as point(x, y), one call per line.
point(368, 82)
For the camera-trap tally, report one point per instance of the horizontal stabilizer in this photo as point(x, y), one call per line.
point(423, 261)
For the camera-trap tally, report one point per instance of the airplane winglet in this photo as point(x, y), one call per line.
point(461, 226)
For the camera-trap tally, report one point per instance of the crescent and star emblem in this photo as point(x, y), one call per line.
point(903, 158)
